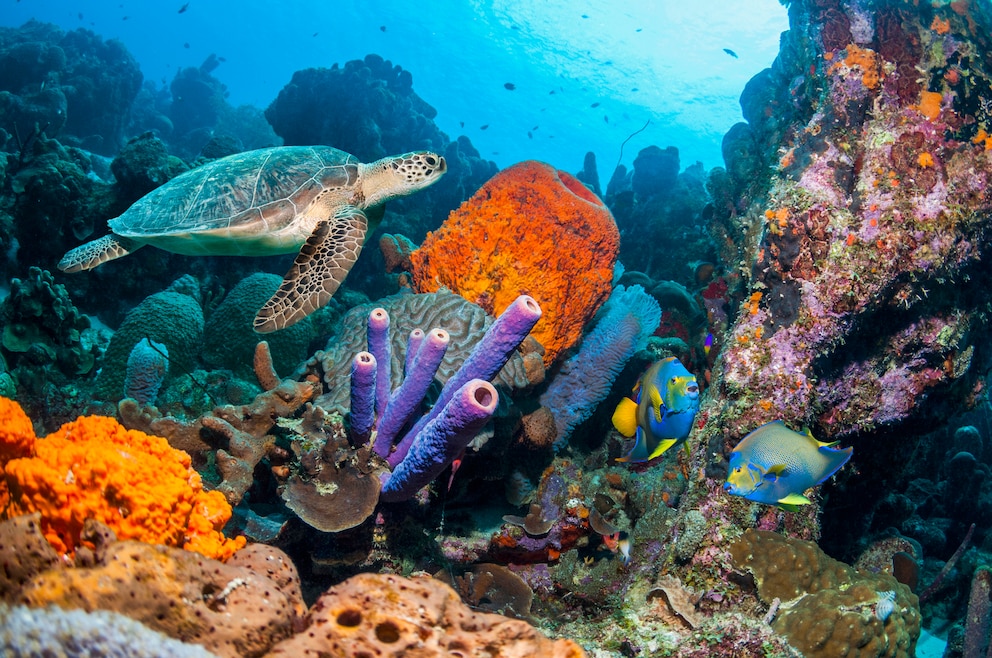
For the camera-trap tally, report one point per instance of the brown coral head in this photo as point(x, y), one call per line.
point(493, 588)
point(601, 525)
point(534, 524)
point(336, 499)
point(396, 250)
point(539, 430)
point(906, 569)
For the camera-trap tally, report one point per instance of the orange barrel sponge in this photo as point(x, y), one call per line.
point(530, 230)
point(137, 484)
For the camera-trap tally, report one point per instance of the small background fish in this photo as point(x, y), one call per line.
point(775, 465)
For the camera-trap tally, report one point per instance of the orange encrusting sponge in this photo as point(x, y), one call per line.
point(135, 483)
point(533, 230)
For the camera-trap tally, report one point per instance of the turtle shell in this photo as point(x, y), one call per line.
point(244, 194)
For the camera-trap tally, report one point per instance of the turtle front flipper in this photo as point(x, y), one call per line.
point(89, 255)
point(320, 268)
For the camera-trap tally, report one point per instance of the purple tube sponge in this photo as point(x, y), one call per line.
point(412, 345)
point(378, 341)
point(408, 396)
point(442, 440)
point(490, 354)
point(363, 378)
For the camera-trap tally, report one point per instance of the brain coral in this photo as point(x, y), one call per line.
point(832, 609)
point(229, 339)
point(133, 482)
point(530, 230)
point(170, 318)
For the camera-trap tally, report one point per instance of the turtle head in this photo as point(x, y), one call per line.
point(400, 175)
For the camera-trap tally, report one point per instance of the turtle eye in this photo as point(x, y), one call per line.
point(431, 160)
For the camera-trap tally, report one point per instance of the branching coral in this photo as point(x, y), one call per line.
point(529, 230)
point(93, 468)
point(242, 431)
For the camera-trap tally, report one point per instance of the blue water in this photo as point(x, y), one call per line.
point(657, 61)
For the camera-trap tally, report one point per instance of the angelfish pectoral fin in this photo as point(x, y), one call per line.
point(662, 446)
point(774, 473)
point(793, 502)
point(319, 269)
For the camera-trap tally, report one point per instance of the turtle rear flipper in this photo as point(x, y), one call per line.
point(89, 255)
point(319, 269)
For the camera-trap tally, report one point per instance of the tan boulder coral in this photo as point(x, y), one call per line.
point(24, 553)
point(232, 611)
point(828, 608)
point(386, 615)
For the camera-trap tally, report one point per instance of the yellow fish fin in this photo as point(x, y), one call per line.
point(819, 444)
point(657, 404)
point(663, 445)
point(625, 417)
point(794, 499)
point(777, 470)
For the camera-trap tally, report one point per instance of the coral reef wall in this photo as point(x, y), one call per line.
point(860, 251)
point(72, 80)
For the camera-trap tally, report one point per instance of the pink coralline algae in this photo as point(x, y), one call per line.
point(873, 221)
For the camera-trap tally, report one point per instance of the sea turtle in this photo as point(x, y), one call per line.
point(315, 200)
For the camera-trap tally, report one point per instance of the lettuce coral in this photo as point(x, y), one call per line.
point(135, 483)
point(533, 230)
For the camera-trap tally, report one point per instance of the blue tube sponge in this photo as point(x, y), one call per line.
point(147, 367)
point(623, 325)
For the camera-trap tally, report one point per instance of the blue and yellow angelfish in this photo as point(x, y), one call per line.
point(775, 465)
point(661, 415)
